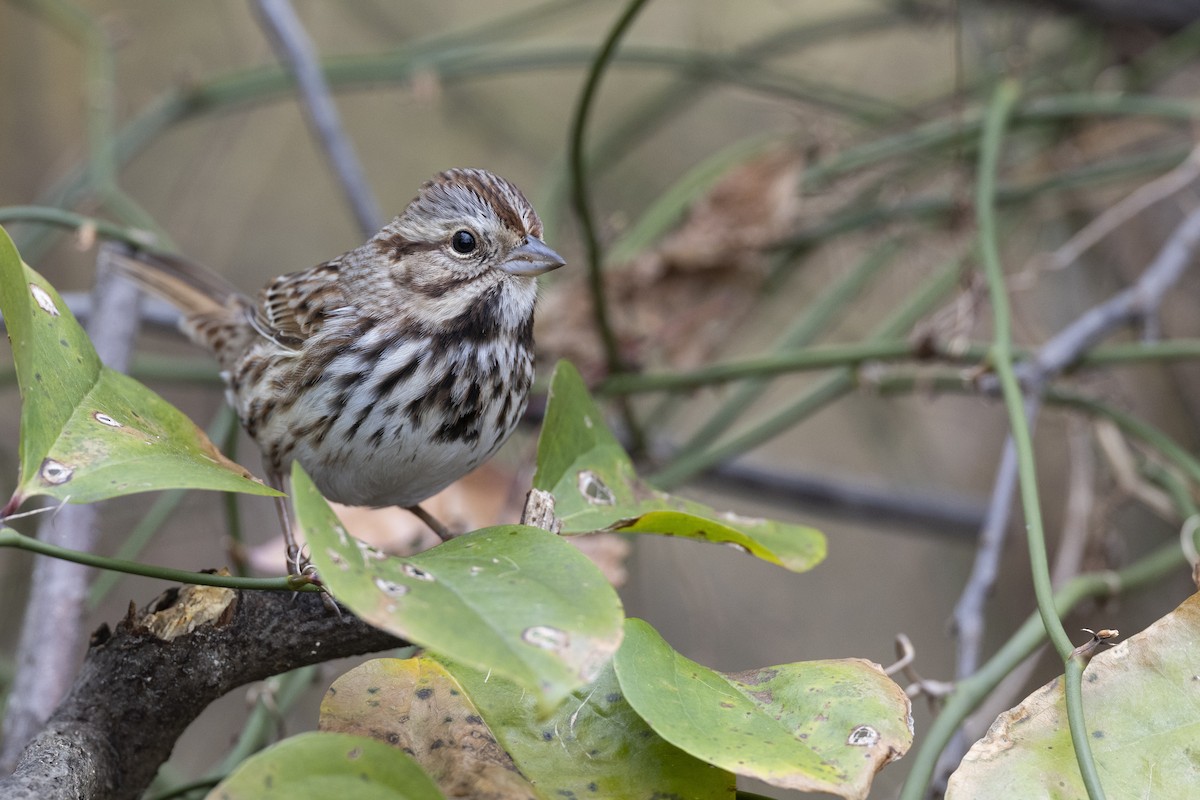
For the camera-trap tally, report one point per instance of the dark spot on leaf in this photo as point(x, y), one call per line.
point(424, 693)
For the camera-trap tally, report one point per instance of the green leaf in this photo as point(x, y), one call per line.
point(594, 745)
point(455, 720)
point(815, 726)
point(595, 488)
point(328, 765)
point(513, 599)
point(1140, 704)
point(89, 433)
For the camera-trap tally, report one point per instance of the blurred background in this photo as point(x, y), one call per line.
point(745, 161)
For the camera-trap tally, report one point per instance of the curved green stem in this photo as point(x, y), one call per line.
point(969, 693)
point(59, 218)
point(581, 199)
point(580, 195)
point(995, 122)
point(10, 538)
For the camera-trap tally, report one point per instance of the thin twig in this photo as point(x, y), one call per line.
point(969, 621)
point(295, 49)
point(908, 512)
point(1126, 209)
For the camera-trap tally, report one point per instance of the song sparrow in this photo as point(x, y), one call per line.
point(394, 369)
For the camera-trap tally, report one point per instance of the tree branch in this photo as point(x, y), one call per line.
point(295, 50)
point(143, 684)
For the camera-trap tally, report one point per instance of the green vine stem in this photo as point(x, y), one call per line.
point(580, 194)
point(581, 200)
point(995, 122)
point(968, 694)
point(11, 538)
point(858, 353)
point(60, 218)
point(812, 322)
point(823, 393)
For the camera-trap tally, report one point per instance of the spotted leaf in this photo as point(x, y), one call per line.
point(815, 726)
point(596, 488)
point(89, 433)
point(513, 599)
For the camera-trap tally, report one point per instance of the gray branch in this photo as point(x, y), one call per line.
point(294, 48)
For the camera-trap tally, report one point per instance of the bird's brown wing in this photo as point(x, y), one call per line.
point(293, 307)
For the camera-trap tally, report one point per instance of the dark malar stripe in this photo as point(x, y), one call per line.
point(479, 324)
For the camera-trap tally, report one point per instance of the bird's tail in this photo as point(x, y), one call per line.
point(192, 288)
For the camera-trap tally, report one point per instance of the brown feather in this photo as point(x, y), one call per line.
point(190, 287)
point(292, 307)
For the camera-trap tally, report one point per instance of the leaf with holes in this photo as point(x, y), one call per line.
point(327, 765)
point(815, 726)
point(513, 599)
point(473, 731)
point(89, 433)
point(1140, 699)
point(595, 488)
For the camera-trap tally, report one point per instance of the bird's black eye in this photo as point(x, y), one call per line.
point(463, 242)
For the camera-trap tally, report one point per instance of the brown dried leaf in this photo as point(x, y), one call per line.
point(675, 304)
point(416, 706)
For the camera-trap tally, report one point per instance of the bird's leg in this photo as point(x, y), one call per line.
point(300, 569)
point(298, 565)
point(441, 530)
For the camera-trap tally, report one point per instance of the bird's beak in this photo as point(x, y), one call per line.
point(532, 258)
